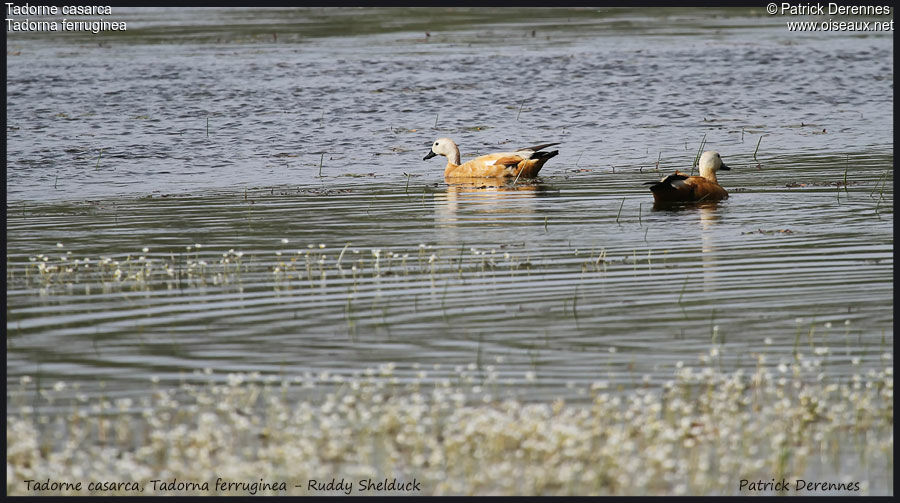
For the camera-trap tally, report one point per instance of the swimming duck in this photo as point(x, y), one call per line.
point(524, 162)
point(681, 187)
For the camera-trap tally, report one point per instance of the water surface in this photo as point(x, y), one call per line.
point(240, 129)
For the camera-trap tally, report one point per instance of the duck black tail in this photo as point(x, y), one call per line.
point(667, 184)
point(544, 155)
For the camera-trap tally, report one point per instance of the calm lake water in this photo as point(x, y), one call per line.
point(294, 138)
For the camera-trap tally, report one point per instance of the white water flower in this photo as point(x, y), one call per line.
point(600, 385)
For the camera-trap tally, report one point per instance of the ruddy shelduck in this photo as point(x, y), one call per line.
point(524, 162)
point(679, 187)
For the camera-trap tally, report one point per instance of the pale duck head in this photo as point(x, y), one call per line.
point(710, 162)
point(445, 147)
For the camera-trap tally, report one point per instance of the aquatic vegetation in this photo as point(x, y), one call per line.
point(310, 267)
point(130, 272)
point(701, 432)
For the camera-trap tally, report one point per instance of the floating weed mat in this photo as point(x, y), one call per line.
point(702, 432)
point(311, 266)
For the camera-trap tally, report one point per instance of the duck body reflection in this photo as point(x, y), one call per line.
point(494, 202)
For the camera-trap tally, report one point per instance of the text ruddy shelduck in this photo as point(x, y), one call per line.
point(522, 163)
point(679, 187)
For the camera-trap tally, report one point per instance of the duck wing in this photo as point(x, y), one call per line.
point(675, 181)
point(510, 160)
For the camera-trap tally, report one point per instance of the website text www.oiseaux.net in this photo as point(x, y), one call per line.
point(833, 9)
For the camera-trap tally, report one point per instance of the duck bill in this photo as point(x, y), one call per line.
point(726, 168)
point(429, 156)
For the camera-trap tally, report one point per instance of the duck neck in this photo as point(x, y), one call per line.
point(709, 174)
point(453, 156)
